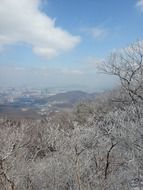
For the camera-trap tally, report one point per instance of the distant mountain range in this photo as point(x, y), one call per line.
point(71, 97)
point(33, 107)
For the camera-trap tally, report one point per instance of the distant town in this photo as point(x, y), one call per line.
point(36, 103)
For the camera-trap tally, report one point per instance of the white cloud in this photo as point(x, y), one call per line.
point(140, 4)
point(19, 68)
point(23, 21)
point(71, 72)
point(59, 71)
point(93, 63)
point(96, 32)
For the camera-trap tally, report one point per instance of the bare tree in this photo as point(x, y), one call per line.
point(127, 65)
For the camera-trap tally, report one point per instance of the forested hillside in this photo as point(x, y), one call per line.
point(99, 146)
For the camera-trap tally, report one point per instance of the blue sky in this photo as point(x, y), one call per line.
point(59, 42)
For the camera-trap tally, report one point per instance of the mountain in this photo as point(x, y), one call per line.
point(34, 107)
point(71, 97)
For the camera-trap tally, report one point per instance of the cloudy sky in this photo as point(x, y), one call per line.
point(59, 42)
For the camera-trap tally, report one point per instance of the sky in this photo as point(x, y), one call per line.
point(58, 43)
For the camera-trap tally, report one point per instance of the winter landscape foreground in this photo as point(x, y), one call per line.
point(96, 146)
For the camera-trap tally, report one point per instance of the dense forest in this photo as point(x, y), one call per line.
point(97, 146)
